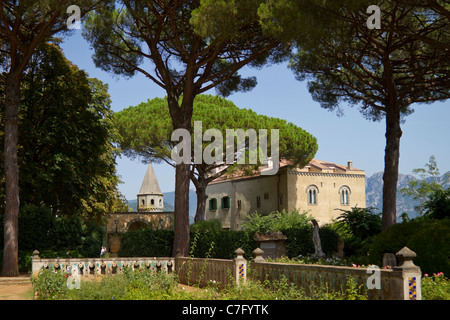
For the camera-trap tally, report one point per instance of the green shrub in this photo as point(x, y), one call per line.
point(429, 239)
point(147, 243)
point(214, 225)
point(257, 222)
point(361, 222)
point(49, 284)
point(140, 284)
point(276, 221)
point(226, 242)
point(299, 241)
point(436, 287)
point(432, 246)
point(329, 239)
point(437, 206)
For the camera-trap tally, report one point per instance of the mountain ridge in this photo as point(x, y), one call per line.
point(405, 203)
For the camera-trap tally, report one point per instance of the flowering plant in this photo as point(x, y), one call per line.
point(435, 287)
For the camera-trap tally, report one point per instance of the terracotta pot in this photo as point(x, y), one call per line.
point(114, 244)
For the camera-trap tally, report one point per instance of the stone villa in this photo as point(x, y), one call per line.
point(320, 187)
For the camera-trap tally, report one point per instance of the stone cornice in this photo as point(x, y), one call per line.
point(315, 174)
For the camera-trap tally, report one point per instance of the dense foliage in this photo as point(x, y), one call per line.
point(428, 238)
point(360, 222)
point(40, 229)
point(437, 206)
point(66, 153)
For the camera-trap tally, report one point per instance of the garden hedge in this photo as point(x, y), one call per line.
point(428, 238)
point(221, 244)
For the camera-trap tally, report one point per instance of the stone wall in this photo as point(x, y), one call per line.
point(399, 283)
point(122, 221)
point(201, 271)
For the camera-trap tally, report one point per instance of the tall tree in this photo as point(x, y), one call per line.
point(66, 137)
point(184, 62)
point(384, 71)
point(146, 132)
point(23, 26)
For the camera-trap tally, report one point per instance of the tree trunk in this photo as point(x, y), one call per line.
point(181, 214)
point(181, 119)
point(11, 224)
point(200, 214)
point(391, 162)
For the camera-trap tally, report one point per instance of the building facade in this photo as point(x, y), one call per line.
point(320, 188)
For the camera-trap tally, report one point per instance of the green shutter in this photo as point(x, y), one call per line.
point(212, 204)
point(225, 203)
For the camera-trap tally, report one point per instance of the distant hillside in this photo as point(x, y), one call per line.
point(374, 193)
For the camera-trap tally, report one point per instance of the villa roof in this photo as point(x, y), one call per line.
point(314, 165)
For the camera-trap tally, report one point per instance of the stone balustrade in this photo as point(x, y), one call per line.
point(98, 266)
point(402, 282)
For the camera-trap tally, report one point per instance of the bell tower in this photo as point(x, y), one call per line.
point(150, 198)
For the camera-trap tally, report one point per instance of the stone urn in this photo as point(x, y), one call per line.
point(114, 245)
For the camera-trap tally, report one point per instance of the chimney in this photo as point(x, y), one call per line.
point(350, 165)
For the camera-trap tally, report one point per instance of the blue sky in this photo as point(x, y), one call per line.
point(278, 94)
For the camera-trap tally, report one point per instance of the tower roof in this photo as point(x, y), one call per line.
point(150, 184)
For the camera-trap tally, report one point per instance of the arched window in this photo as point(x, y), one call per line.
point(344, 193)
point(312, 193)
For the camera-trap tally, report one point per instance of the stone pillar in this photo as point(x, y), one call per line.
point(411, 275)
point(240, 265)
point(36, 264)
